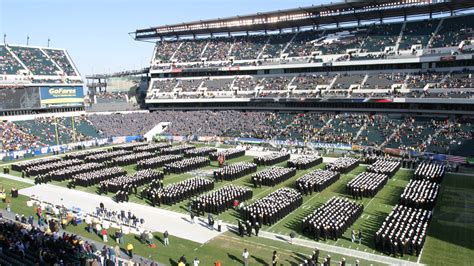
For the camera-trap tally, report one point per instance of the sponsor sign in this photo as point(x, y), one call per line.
point(61, 96)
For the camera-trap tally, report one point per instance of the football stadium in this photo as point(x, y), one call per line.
point(331, 134)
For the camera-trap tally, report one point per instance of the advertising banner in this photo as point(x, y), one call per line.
point(61, 96)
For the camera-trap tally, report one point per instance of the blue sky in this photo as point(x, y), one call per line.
point(95, 33)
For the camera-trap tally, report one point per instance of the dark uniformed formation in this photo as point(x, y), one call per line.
point(178, 192)
point(273, 176)
point(366, 185)
point(272, 158)
point(22, 166)
point(332, 219)
point(94, 177)
point(343, 165)
point(228, 154)
point(222, 199)
point(68, 172)
point(236, 170)
point(273, 207)
point(105, 157)
point(305, 162)
point(159, 161)
point(316, 181)
point(385, 166)
point(176, 149)
point(152, 147)
point(128, 182)
point(431, 171)
point(83, 154)
point(420, 194)
point(203, 151)
point(403, 231)
point(186, 165)
point(44, 168)
point(129, 146)
point(131, 158)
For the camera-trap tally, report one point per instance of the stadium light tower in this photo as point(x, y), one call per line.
point(27, 40)
point(4, 38)
point(48, 41)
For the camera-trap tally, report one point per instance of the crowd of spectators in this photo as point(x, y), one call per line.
point(8, 65)
point(59, 56)
point(35, 61)
point(13, 138)
point(43, 245)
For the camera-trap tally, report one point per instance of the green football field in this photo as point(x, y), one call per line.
point(449, 240)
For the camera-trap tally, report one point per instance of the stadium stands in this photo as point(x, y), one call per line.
point(453, 31)
point(9, 65)
point(430, 134)
point(36, 60)
point(60, 57)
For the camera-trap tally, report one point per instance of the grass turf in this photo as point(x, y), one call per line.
point(451, 232)
point(449, 236)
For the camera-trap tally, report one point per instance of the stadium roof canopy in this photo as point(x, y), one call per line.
point(316, 15)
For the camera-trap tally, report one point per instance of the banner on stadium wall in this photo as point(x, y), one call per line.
point(357, 147)
point(205, 138)
point(338, 146)
point(132, 138)
point(61, 96)
point(179, 138)
point(391, 151)
point(250, 140)
point(118, 140)
point(287, 142)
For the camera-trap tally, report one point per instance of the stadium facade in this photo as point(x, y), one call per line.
point(391, 56)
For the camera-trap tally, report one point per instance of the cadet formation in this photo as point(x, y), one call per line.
point(186, 165)
point(332, 219)
point(404, 229)
point(305, 162)
point(271, 159)
point(366, 185)
point(273, 176)
point(222, 199)
point(316, 181)
point(234, 171)
point(273, 207)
